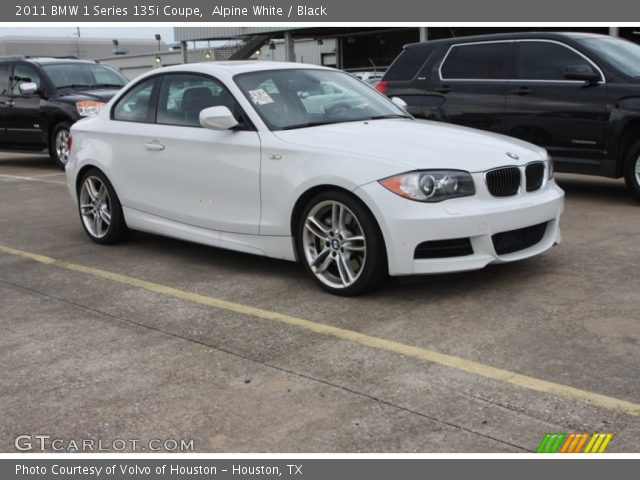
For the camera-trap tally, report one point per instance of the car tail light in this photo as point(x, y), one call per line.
point(69, 142)
point(381, 86)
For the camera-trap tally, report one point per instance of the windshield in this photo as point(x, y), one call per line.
point(623, 55)
point(84, 75)
point(288, 99)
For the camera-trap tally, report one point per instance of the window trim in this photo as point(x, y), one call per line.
point(602, 80)
point(155, 93)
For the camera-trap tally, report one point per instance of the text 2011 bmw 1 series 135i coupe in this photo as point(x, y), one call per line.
point(300, 162)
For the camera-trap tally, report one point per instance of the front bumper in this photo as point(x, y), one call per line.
point(405, 224)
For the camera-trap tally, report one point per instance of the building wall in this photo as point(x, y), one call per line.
point(86, 48)
point(206, 33)
point(306, 51)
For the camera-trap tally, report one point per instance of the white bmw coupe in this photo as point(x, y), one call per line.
point(300, 162)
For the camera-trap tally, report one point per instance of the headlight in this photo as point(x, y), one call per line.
point(431, 185)
point(550, 168)
point(89, 108)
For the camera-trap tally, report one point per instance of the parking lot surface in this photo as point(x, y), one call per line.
point(161, 339)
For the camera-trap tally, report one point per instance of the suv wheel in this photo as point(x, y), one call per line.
point(340, 244)
point(632, 169)
point(58, 147)
point(100, 209)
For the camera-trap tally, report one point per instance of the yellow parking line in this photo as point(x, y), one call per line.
point(450, 361)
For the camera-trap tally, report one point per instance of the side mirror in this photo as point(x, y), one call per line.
point(398, 102)
point(217, 118)
point(582, 73)
point(28, 88)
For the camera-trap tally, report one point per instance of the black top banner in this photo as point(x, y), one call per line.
point(317, 11)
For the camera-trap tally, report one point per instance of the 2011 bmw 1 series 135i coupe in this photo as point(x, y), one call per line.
point(300, 162)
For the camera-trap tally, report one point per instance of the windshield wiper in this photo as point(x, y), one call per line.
point(73, 85)
point(311, 124)
point(105, 85)
point(393, 115)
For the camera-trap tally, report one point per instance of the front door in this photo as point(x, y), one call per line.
point(5, 102)
point(175, 169)
point(25, 117)
point(566, 117)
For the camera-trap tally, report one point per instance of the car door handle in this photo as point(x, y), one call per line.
point(521, 91)
point(443, 89)
point(153, 146)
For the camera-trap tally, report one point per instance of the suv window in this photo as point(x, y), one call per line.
point(4, 79)
point(24, 74)
point(547, 61)
point(183, 97)
point(135, 105)
point(408, 64)
point(478, 61)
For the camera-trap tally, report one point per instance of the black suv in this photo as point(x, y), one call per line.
point(41, 97)
point(576, 94)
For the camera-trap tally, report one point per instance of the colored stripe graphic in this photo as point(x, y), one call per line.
point(573, 442)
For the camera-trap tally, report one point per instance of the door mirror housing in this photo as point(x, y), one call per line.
point(217, 118)
point(398, 102)
point(582, 73)
point(28, 88)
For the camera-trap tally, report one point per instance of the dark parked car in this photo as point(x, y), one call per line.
point(41, 97)
point(576, 94)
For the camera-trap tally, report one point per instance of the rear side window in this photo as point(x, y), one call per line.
point(548, 61)
point(136, 104)
point(479, 61)
point(409, 63)
point(4, 79)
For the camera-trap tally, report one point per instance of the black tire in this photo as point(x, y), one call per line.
point(632, 169)
point(370, 263)
point(116, 230)
point(59, 156)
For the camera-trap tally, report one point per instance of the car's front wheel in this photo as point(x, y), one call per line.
point(340, 244)
point(59, 144)
point(100, 209)
point(632, 169)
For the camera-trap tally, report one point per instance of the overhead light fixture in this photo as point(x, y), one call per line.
point(258, 52)
point(320, 42)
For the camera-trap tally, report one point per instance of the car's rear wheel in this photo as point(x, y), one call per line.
point(100, 209)
point(340, 244)
point(58, 144)
point(632, 169)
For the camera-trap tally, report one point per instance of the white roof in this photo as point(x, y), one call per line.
point(239, 66)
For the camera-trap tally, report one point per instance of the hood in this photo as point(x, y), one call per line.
point(101, 95)
point(417, 144)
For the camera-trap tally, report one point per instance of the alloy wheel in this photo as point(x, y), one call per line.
point(62, 146)
point(95, 207)
point(334, 243)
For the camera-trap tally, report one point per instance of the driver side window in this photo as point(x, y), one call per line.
point(182, 97)
point(23, 74)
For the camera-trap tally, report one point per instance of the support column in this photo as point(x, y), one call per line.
point(289, 48)
point(185, 58)
point(614, 31)
point(424, 33)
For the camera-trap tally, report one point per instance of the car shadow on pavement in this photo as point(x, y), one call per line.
point(596, 189)
point(26, 162)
